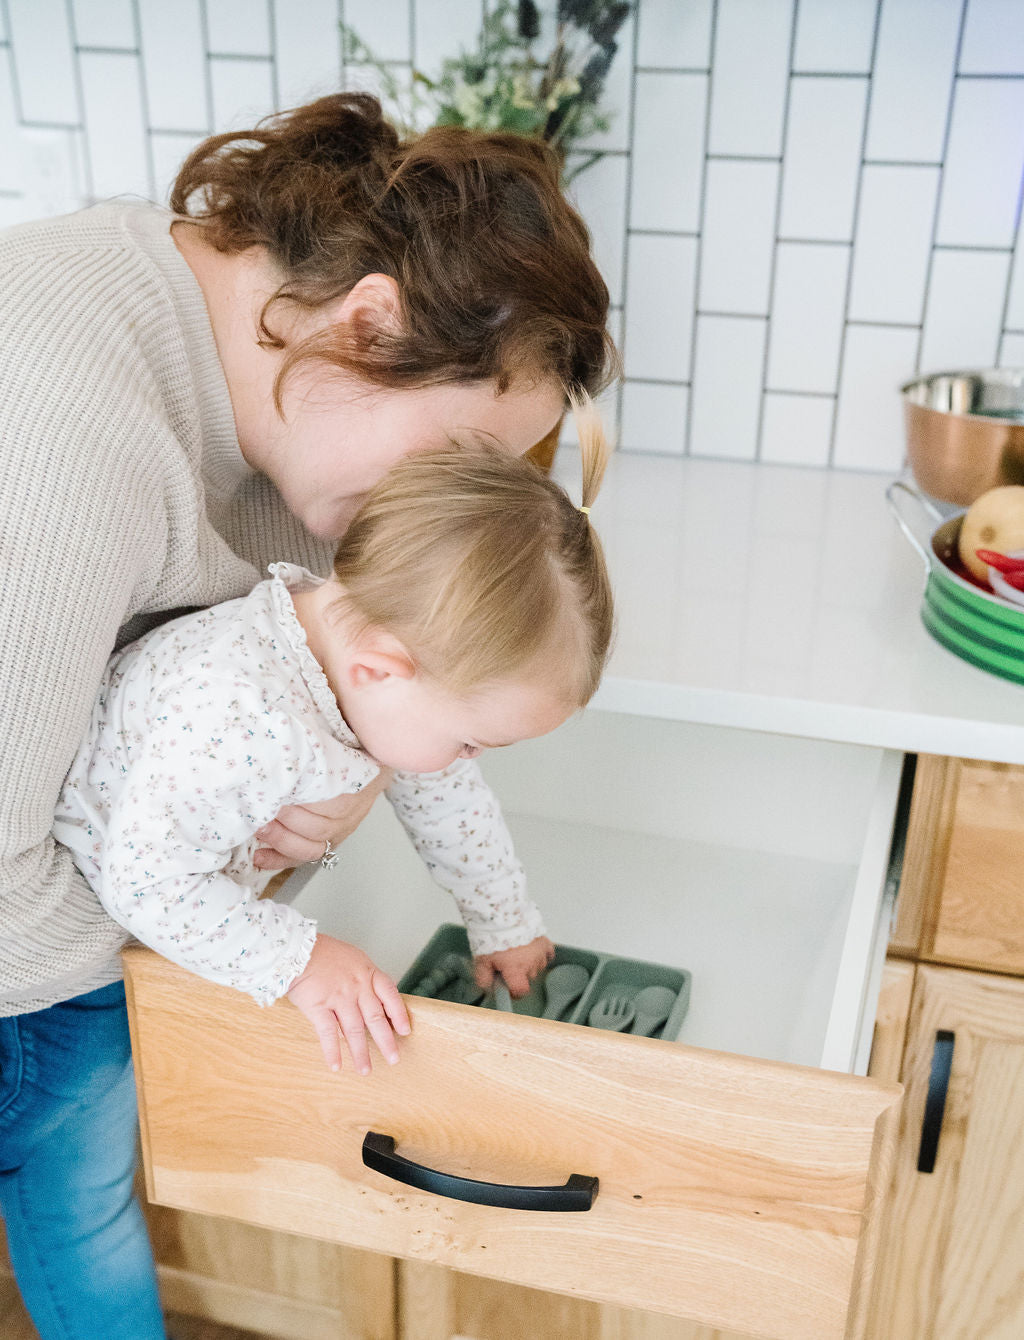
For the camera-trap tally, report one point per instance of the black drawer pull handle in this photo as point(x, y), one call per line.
point(935, 1104)
point(578, 1193)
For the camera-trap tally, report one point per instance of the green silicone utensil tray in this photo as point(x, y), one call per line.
point(609, 974)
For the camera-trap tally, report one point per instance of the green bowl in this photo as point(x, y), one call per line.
point(984, 629)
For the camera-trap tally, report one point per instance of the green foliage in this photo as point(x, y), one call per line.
point(503, 84)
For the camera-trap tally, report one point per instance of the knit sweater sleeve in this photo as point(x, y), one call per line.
point(78, 532)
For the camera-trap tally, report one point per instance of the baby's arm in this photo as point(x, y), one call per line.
point(455, 823)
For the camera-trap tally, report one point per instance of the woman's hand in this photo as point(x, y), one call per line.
point(517, 966)
point(300, 832)
point(342, 989)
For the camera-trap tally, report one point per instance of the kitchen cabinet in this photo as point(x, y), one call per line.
point(738, 1177)
point(952, 1259)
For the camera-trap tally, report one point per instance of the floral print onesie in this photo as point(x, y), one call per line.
point(202, 731)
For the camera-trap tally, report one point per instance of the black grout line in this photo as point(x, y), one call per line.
point(275, 82)
point(628, 213)
point(654, 381)
point(701, 215)
point(1016, 258)
point(264, 57)
point(19, 110)
point(144, 102)
point(807, 395)
point(993, 75)
point(815, 241)
point(858, 195)
point(84, 154)
point(884, 325)
point(661, 232)
point(673, 69)
point(204, 27)
point(739, 316)
point(745, 158)
point(900, 162)
point(831, 74)
point(50, 125)
point(87, 50)
point(971, 246)
point(773, 262)
point(933, 239)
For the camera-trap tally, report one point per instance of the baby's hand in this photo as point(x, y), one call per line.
point(341, 988)
point(517, 966)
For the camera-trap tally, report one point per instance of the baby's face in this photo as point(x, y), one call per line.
point(414, 725)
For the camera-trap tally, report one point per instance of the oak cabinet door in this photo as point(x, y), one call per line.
point(951, 1264)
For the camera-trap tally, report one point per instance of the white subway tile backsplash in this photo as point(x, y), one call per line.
point(52, 170)
point(114, 124)
point(307, 47)
point(796, 429)
point(44, 60)
point(1015, 297)
point(674, 35)
point(10, 159)
point(751, 74)
point(893, 243)
point(668, 151)
point(965, 305)
point(913, 77)
point(600, 194)
point(110, 24)
point(836, 37)
point(168, 150)
point(174, 62)
point(433, 42)
point(877, 360)
point(738, 236)
point(823, 149)
point(384, 26)
point(779, 92)
point(654, 418)
point(242, 92)
point(993, 38)
point(239, 27)
point(807, 317)
point(726, 387)
point(660, 305)
point(981, 181)
point(1011, 350)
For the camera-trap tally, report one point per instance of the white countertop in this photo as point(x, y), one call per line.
point(785, 600)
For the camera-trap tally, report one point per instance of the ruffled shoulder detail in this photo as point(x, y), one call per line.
point(288, 577)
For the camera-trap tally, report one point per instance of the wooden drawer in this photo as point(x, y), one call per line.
point(963, 903)
point(739, 1192)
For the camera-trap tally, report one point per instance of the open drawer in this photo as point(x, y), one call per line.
point(738, 1190)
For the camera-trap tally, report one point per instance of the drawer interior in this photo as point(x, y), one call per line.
point(756, 862)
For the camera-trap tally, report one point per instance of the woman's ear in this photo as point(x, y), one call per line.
point(371, 307)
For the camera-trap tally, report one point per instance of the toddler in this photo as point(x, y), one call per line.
point(469, 608)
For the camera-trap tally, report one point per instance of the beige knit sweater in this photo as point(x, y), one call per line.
point(124, 498)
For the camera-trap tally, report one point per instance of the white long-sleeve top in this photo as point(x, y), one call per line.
point(201, 732)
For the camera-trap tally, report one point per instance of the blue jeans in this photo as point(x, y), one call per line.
point(68, 1130)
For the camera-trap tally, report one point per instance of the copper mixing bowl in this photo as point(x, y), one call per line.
point(965, 432)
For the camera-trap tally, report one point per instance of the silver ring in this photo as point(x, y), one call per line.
point(330, 857)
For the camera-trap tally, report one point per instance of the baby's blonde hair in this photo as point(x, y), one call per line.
point(483, 568)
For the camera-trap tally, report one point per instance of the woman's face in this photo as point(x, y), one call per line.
point(336, 441)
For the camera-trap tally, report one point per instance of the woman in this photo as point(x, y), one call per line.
point(183, 400)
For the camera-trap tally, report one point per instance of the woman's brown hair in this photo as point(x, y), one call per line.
point(492, 264)
point(483, 568)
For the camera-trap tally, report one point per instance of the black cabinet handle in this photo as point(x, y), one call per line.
point(578, 1193)
point(935, 1104)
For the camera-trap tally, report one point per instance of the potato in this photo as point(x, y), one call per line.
point(993, 521)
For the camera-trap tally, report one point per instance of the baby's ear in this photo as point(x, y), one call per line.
point(379, 656)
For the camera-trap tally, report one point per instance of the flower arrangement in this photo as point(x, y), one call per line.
point(504, 84)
